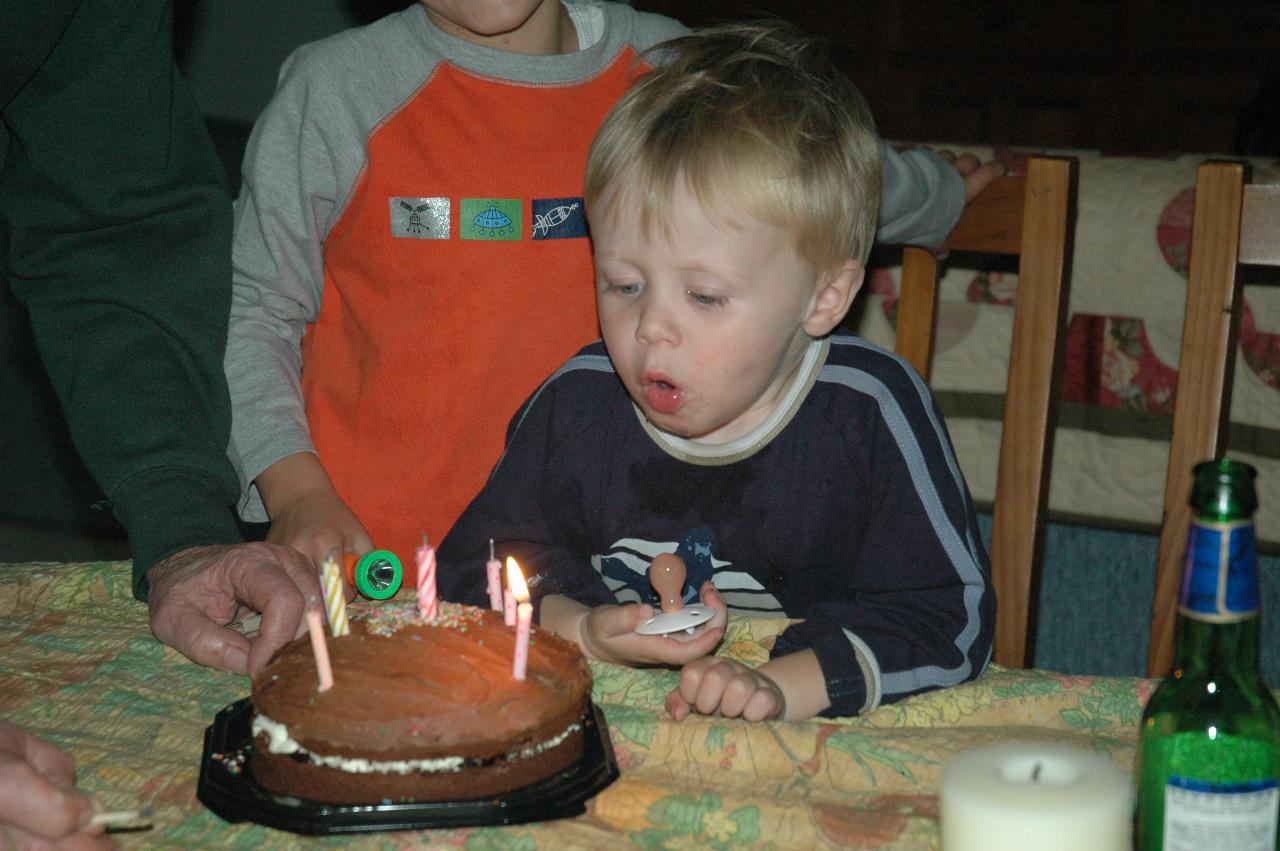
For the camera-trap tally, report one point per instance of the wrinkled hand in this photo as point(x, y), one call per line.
point(39, 805)
point(976, 174)
point(715, 683)
point(316, 522)
point(608, 633)
point(197, 592)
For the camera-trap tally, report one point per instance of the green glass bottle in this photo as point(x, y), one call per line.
point(1209, 746)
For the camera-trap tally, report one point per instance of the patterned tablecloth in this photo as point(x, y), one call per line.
point(80, 668)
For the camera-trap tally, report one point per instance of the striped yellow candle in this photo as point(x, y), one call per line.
point(335, 602)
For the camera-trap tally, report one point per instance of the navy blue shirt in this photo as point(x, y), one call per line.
point(846, 509)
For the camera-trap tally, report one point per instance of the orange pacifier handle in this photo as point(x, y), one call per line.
point(666, 575)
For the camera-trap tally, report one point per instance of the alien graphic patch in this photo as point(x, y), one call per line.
point(491, 218)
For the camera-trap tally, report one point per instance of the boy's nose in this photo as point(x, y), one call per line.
point(657, 324)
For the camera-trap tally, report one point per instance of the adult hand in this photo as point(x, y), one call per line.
point(194, 594)
point(39, 805)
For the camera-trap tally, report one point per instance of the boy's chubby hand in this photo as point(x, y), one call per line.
point(714, 683)
point(608, 633)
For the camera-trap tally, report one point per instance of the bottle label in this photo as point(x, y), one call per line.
point(1239, 816)
point(1220, 579)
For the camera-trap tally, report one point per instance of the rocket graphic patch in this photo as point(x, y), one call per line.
point(558, 218)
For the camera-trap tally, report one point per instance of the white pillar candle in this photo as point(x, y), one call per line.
point(1038, 796)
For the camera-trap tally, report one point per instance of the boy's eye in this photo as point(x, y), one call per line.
point(619, 287)
point(705, 300)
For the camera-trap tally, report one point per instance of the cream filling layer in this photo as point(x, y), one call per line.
point(280, 742)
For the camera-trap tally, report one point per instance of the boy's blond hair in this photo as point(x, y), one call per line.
point(754, 119)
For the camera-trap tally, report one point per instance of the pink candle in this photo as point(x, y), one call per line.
point(524, 619)
point(495, 582)
point(428, 606)
point(319, 647)
point(508, 607)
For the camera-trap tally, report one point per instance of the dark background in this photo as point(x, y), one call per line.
point(1147, 77)
point(1139, 77)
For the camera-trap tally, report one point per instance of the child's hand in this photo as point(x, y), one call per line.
point(316, 524)
point(976, 174)
point(307, 513)
point(608, 633)
point(612, 630)
point(715, 683)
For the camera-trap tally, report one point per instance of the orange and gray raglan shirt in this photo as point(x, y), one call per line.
point(411, 256)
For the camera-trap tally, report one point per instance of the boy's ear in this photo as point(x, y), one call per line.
point(834, 298)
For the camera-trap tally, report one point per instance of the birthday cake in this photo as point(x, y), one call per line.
point(419, 710)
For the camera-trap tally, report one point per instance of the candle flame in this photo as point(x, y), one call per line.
point(515, 581)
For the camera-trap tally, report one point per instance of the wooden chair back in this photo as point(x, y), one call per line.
point(1234, 223)
point(1032, 217)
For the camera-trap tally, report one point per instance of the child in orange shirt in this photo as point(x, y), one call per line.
point(411, 255)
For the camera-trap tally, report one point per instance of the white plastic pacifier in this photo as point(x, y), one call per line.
point(666, 575)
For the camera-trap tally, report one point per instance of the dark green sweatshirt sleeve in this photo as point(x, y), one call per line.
point(115, 223)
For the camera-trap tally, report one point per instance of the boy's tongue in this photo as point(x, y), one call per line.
point(663, 397)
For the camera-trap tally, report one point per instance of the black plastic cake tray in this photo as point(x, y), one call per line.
point(227, 788)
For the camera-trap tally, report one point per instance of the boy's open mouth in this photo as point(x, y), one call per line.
point(663, 396)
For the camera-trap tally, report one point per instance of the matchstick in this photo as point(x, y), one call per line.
point(124, 819)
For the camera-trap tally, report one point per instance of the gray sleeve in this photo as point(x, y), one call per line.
point(651, 29)
point(288, 195)
point(921, 199)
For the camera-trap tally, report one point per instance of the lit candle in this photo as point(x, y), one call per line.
point(428, 606)
point(319, 648)
point(509, 599)
point(335, 602)
point(1044, 796)
point(493, 568)
point(524, 618)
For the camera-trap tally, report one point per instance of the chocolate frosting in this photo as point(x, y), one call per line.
point(407, 689)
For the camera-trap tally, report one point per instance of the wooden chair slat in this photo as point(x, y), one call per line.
point(1206, 366)
point(1031, 217)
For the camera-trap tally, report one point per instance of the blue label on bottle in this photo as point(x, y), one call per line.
point(1220, 580)
point(1248, 786)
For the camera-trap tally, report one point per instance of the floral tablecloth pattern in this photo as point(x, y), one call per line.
point(80, 668)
